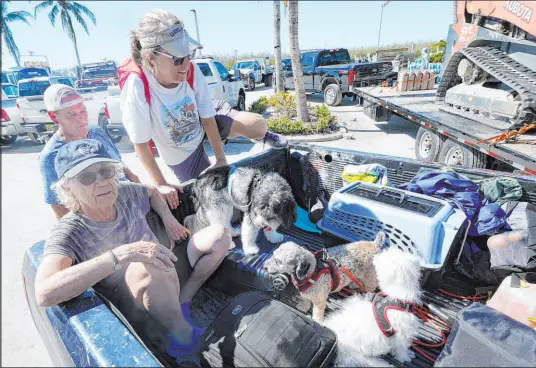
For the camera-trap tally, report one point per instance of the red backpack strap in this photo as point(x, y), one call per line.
point(123, 71)
point(191, 71)
point(130, 67)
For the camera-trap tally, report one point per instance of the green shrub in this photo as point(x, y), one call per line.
point(285, 126)
point(322, 123)
point(259, 106)
point(437, 58)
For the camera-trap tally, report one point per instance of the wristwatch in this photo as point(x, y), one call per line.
point(117, 265)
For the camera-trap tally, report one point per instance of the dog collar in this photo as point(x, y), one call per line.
point(229, 186)
point(381, 303)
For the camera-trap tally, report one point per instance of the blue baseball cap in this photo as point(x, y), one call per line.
point(78, 155)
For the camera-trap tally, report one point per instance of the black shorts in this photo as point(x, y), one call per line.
point(182, 266)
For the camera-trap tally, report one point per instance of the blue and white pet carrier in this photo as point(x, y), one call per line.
point(413, 222)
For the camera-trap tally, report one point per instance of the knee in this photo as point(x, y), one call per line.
point(221, 239)
point(139, 276)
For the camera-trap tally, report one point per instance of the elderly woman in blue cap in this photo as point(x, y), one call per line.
point(105, 242)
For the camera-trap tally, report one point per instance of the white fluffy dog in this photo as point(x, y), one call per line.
point(360, 339)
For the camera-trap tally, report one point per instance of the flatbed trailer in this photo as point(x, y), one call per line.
point(449, 132)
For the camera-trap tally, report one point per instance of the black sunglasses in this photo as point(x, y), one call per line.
point(176, 60)
point(89, 177)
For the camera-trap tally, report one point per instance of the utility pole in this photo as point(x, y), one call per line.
point(381, 18)
point(197, 30)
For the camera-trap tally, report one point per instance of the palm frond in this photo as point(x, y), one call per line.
point(79, 18)
point(67, 25)
point(43, 5)
point(53, 14)
point(17, 15)
point(82, 9)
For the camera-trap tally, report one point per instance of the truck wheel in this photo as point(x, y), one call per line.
point(332, 95)
point(428, 145)
point(35, 138)
point(453, 153)
point(241, 105)
point(8, 139)
point(268, 80)
point(251, 84)
point(103, 123)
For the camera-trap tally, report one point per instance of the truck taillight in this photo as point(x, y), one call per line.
point(5, 116)
point(106, 113)
point(351, 76)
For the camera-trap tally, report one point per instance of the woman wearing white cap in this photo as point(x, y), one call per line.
point(158, 103)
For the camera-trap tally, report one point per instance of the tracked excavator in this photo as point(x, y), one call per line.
point(489, 69)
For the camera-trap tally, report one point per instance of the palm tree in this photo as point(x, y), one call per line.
point(277, 48)
point(297, 71)
point(67, 10)
point(6, 31)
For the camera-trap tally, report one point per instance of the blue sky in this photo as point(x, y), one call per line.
point(246, 26)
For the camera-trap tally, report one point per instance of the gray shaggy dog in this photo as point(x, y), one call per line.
point(297, 261)
point(264, 198)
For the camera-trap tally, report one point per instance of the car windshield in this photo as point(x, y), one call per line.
point(11, 91)
point(33, 88)
point(334, 57)
point(285, 62)
point(31, 73)
point(244, 65)
point(100, 73)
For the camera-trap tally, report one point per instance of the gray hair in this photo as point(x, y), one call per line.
point(153, 22)
point(65, 194)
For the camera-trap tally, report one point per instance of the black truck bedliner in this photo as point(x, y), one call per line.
point(311, 170)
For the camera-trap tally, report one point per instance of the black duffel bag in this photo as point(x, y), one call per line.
point(254, 330)
point(484, 337)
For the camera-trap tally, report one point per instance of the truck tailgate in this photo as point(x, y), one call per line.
point(33, 110)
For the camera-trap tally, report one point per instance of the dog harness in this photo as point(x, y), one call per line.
point(381, 303)
point(325, 266)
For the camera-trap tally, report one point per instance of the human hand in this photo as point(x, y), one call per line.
point(219, 162)
point(170, 193)
point(175, 231)
point(146, 252)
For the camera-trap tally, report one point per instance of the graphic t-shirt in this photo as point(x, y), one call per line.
point(172, 119)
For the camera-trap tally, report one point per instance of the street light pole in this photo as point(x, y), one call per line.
point(197, 30)
point(381, 18)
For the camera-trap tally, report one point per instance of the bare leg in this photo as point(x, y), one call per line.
point(206, 251)
point(158, 291)
point(248, 125)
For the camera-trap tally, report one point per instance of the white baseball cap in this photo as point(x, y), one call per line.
point(174, 40)
point(60, 96)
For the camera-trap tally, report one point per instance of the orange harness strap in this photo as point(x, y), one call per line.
point(507, 135)
point(353, 278)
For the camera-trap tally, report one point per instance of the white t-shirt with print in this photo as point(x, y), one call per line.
point(172, 120)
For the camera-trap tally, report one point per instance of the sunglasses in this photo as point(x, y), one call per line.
point(176, 60)
point(89, 177)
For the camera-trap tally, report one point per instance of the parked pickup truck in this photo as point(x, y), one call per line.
point(253, 71)
point(221, 84)
point(90, 331)
point(332, 73)
point(34, 116)
point(11, 127)
point(97, 76)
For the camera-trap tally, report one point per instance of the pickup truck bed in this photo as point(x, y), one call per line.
point(85, 331)
point(419, 107)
